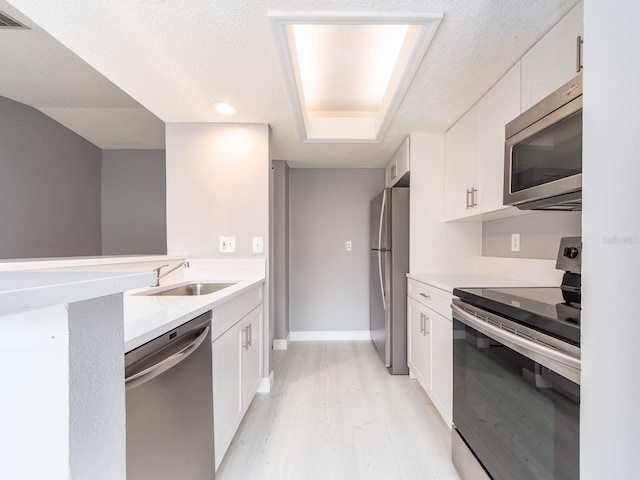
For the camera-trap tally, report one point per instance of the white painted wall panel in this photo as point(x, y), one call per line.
point(611, 236)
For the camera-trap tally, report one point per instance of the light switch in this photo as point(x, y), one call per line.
point(227, 244)
point(257, 245)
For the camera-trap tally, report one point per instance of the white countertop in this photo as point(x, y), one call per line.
point(23, 291)
point(147, 317)
point(94, 263)
point(449, 281)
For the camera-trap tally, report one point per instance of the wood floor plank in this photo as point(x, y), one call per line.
point(335, 413)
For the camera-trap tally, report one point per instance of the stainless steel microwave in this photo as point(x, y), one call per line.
point(543, 153)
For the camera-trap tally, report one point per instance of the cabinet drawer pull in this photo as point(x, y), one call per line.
point(579, 43)
point(425, 295)
point(245, 338)
point(249, 334)
point(471, 198)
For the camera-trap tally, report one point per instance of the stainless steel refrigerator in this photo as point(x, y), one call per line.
point(389, 265)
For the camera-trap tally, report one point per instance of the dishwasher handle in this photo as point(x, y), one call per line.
point(167, 363)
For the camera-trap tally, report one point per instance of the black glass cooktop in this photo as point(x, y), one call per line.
point(542, 308)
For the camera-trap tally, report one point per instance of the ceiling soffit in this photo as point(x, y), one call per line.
point(347, 73)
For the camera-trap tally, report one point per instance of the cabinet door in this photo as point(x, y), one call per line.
point(227, 405)
point(399, 165)
point(418, 343)
point(497, 108)
point(461, 166)
point(552, 61)
point(251, 359)
point(441, 391)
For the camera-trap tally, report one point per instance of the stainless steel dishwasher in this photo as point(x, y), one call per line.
point(169, 405)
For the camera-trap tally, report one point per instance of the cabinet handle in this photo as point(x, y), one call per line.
point(249, 334)
point(245, 340)
point(425, 295)
point(394, 170)
point(421, 322)
point(471, 198)
point(426, 326)
point(579, 43)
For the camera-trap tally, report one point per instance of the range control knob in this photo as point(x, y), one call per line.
point(571, 252)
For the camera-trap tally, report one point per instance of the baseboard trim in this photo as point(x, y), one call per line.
point(329, 335)
point(281, 343)
point(265, 385)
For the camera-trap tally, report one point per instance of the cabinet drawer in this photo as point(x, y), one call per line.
point(434, 298)
point(230, 312)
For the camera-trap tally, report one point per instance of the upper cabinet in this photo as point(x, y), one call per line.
point(474, 146)
point(397, 170)
point(554, 60)
point(474, 151)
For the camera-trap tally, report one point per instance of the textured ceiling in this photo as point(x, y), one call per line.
point(176, 57)
point(39, 71)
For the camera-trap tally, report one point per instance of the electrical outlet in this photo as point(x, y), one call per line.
point(258, 245)
point(348, 245)
point(227, 244)
point(515, 242)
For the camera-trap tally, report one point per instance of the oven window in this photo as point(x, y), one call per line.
point(520, 419)
point(551, 154)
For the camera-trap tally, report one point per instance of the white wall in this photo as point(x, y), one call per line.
point(328, 286)
point(436, 246)
point(610, 418)
point(134, 211)
point(217, 185)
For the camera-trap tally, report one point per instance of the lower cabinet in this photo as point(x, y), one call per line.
point(237, 366)
point(418, 343)
point(430, 344)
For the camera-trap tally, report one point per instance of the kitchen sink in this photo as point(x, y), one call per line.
point(192, 289)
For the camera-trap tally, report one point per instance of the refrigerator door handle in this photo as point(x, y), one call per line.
point(384, 301)
point(384, 204)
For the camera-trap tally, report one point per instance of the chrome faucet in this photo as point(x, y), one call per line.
point(159, 275)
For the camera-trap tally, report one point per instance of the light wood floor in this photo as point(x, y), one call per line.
point(335, 413)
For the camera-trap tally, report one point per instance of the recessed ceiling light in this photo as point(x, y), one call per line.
point(347, 73)
point(224, 108)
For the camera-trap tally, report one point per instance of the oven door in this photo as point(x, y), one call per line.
point(516, 401)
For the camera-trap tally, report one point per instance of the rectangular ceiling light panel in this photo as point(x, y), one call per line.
point(348, 73)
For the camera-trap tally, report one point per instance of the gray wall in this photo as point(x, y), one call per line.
point(280, 259)
point(540, 234)
point(49, 187)
point(134, 215)
point(328, 286)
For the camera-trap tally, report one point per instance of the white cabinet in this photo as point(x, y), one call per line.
point(227, 403)
point(430, 343)
point(461, 166)
point(497, 108)
point(474, 151)
point(237, 363)
point(397, 169)
point(552, 61)
point(418, 342)
point(441, 392)
point(251, 356)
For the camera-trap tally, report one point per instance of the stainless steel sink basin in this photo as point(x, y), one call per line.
point(192, 289)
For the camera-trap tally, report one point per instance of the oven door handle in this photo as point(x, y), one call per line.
point(560, 362)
